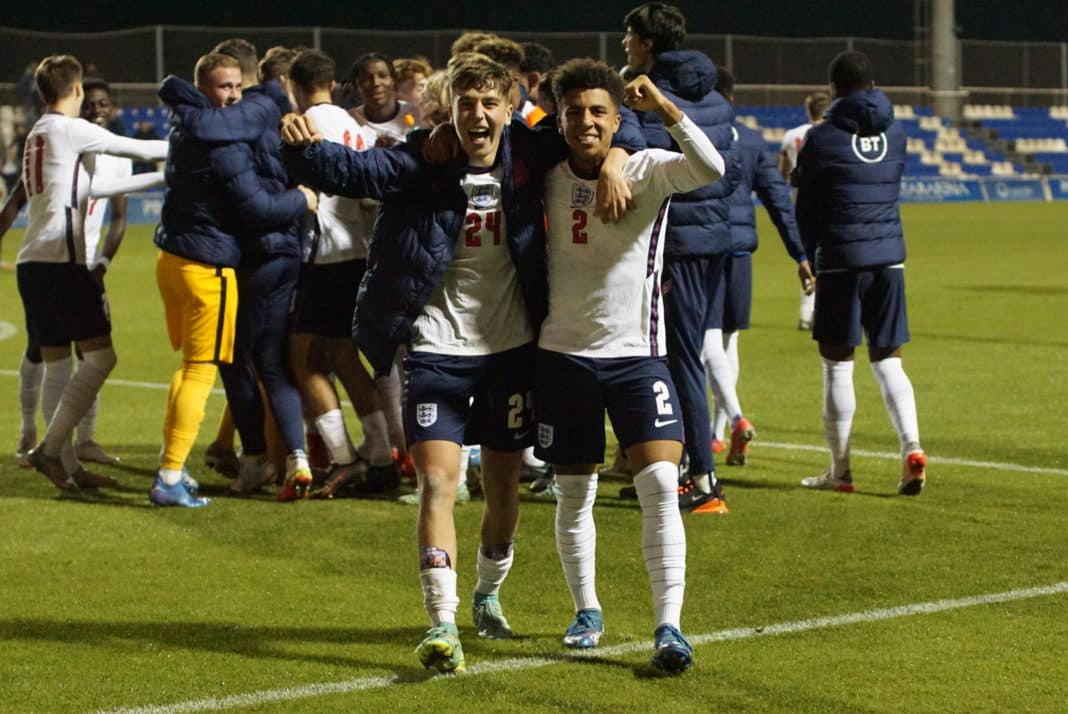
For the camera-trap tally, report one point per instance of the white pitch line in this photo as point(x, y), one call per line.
point(790, 447)
point(930, 459)
point(112, 382)
point(769, 444)
point(363, 684)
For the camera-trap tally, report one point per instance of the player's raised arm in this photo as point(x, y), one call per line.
point(340, 170)
point(704, 164)
point(89, 138)
point(102, 187)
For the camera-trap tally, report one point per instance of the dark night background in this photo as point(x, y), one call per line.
point(978, 19)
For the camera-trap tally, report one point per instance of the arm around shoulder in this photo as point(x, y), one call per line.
point(343, 171)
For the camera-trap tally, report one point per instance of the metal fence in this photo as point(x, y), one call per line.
point(992, 72)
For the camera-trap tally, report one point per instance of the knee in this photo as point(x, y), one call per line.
point(103, 359)
point(438, 485)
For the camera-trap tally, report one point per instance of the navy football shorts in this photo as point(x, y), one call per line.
point(870, 301)
point(483, 399)
point(326, 299)
point(63, 303)
point(738, 299)
point(573, 393)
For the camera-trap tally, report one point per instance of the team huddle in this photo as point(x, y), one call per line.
point(516, 249)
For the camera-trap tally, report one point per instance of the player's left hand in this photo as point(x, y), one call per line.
point(614, 198)
point(808, 280)
point(98, 274)
point(300, 130)
point(442, 146)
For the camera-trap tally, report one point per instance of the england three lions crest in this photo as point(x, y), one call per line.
point(426, 414)
point(484, 196)
point(581, 195)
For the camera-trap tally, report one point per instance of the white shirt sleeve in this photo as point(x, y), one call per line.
point(702, 165)
point(106, 187)
point(90, 138)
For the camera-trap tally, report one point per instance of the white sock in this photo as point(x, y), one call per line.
point(465, 461)
point(808, 307)
point(722, 419)
point(87, 426)
point(530, 459)
point(375, 446)
point(69, 458)
point(296, 461)
point(839, 406)
point(491, 573)
point(56, 377)
point(730, 346)
point(30, 376)
point(439, 594)
point(169, 476)
point(900, 401)
point(77, 397)
point(720, 374)
point(663, 539)
point(390, 396)
point(331, 427)
point(576, 536)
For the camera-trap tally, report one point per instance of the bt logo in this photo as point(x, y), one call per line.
point(870, 149)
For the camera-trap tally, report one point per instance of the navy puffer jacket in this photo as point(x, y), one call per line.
point(261, 208)
point(698, 221)
point(849, 180)
point(759, 173)
point(420, 217)
point(194, 204)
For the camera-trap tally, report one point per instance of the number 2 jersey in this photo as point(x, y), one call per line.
point(58, 165)
point(604, 279)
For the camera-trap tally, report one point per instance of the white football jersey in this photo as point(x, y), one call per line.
point(792, 141)
point(604, 279)
point(58, 165)
point(114, 167)
point(344, 223)
point(406, 118)
point(478, 308)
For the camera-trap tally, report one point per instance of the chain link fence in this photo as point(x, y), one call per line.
point(770, 68)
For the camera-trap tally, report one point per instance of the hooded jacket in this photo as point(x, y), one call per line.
point(849, 180)
point(240, 146)
point(698, 221)
point(760, 173)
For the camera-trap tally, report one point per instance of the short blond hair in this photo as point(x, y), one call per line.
point(502, 51)
point(408, 67)
point(467, 42)
point(276, 63)
point(211, 62)
point(56, 76)
point(434, 106)
point(815, 103)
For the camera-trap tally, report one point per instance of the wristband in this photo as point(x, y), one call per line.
point(102, 261)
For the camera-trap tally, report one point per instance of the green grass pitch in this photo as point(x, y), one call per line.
point(107, 602)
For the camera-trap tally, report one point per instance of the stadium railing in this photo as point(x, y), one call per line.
point(145, 54)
